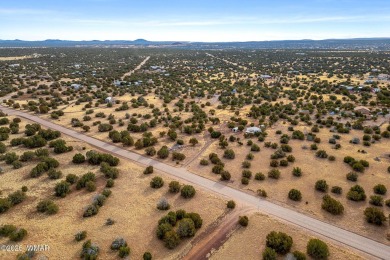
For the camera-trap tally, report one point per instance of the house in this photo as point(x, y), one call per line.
point(76, 86)
point(362, 109)
point(235, 129)
point(109, 100)
point(252, 130)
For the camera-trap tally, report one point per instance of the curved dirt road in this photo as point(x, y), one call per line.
point(343, 236)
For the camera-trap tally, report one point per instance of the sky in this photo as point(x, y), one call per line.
point(196, 20)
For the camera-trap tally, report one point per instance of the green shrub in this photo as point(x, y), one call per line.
point(82, 182)
point(356, 193)
point(62, 189)
point(244, 181)
point(231, 204)
point(5, 204)
point(174, 187)
point(78, 158)
point(225, 175)
point(163, 153)
point(274, 174)
point(279, 241)
point(148, 170)
point(336, 190)
point(91, 186)
point(54, 174)
point(16, 197)
point(171, 239)
point(47, 206)
point(124, 251)
point(80, 235)
point(321, 185)
point(259, 176)
point(332, 206)
point(380, 189)
point(229, 154)
point(109, 171)
point(294, 195)
point(297, 172)
point(374, 216)
point(243, 221)
point(188, 191)
point(299, 255)
point(269, 254)
point(89, 251)
point(352, 176)
point(71, 178)
point(6, 230)
point(186, 228)
point(156, 182)
point(147, 256)
point(18, 235)
point(376, 200)
point(90, 211)
point(317, 249)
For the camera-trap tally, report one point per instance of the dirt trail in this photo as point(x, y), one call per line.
point(137, 68)
point(217, 235)
point(227, 61)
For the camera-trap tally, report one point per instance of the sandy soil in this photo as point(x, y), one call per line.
point(249, 242)
point(132, 205)
point(313, 169)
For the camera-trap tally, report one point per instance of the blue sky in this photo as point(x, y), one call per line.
point(197, 20)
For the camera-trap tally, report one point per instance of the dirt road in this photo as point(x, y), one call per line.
point(137, 68)
point(343, 236)
point(217, 236)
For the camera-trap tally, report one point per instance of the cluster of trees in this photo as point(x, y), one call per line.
point(12, 199)
point(120, 245)
point(47, 206)
point(96, 158)
point(13, 233)
point(97, 203)
point(176, 226)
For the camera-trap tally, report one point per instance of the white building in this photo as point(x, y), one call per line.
point(252, 130)
point(109, 100)
point(235, 129)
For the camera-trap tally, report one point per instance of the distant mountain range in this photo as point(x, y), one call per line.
point(359, 43)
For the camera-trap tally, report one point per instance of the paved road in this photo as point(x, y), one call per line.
point(348, 238)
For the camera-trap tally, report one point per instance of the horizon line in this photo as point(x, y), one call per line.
point(187, 41)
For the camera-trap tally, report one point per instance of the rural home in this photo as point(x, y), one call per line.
point(235, 129)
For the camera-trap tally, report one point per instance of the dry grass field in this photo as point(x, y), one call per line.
point(249, 242)
point(132, 206)
point(313, 169)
